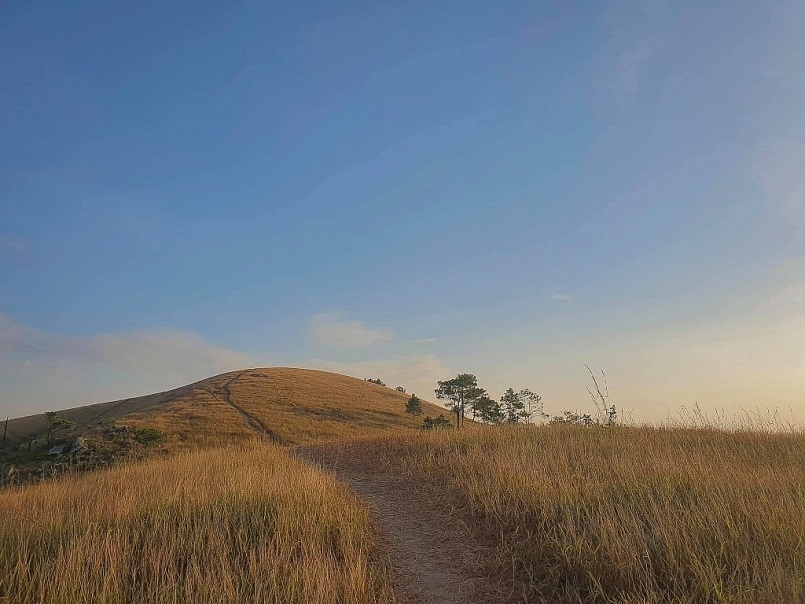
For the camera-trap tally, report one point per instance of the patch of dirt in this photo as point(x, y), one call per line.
point(433, 554)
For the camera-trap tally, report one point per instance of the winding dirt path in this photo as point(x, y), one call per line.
point(251, 420)
point(433, 555)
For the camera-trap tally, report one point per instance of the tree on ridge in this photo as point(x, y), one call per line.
point(460, 392)
point(513, 406)
point(488, 409)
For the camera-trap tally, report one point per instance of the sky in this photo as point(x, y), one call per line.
point(406, 190)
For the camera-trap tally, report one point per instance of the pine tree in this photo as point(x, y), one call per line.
point(513, 406)
point(488, 409)
point(533, 405)
point(414, 406)
point(460, 392)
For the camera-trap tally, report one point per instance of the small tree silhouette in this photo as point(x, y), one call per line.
point(488, 409)
point(414, 406)
point(533, 405)
point(56, 423)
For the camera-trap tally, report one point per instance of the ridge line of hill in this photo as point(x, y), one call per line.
point(285, 405)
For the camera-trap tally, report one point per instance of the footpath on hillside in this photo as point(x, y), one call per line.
point(434, 557)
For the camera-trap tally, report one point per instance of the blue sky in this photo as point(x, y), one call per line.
point(405, 190)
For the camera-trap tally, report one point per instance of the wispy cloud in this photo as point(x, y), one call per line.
point(332, 329)
point(40, 369)
point(563, 297)
point(634, 49)
point(628, 79)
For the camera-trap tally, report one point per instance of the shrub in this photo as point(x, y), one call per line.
point(150, 436)
point(436, 424)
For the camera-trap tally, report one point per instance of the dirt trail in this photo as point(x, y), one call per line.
point(252, 421)
point(433, 555)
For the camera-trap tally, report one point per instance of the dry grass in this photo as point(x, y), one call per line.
point(296, 406)
point(196, 419)
point(582, 515)
point(627, 514)
point(306, 406)
point(244, 524)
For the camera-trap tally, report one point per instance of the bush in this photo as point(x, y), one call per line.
point(436, 424)
point(150, 436)
point(574, 418)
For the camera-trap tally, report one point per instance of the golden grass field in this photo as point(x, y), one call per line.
point(244, 524)
point(296, 406)
point(574, 515)
point(628, 515)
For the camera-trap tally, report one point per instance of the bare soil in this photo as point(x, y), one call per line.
point(433, 554)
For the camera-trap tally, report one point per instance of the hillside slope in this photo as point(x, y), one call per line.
point(284, 405)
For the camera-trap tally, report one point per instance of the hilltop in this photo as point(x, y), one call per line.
point(281, 404)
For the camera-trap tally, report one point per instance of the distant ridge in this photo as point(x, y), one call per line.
point(282, 404)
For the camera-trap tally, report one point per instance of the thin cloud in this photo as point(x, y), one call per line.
point(41, 370)
point(331, 329)
point(563, 297)
point(628, 80)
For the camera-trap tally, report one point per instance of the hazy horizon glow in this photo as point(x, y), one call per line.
point(406, 192)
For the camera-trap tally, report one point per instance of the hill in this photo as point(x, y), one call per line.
point(280, 404)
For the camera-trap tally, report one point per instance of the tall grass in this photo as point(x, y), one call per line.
point(244, 524)
point(600, 515)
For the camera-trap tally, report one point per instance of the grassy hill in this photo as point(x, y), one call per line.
point(283, 405)
point(601, 514)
